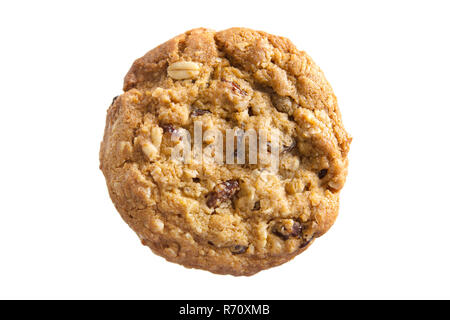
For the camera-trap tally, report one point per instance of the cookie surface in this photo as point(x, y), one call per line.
point(227, 218)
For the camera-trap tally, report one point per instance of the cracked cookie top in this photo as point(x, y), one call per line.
point(232, 218)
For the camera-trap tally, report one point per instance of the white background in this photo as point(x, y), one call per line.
point(62, 63)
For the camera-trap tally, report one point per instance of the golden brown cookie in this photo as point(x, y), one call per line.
point(227, 218)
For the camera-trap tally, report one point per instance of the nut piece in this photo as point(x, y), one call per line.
point(156, 136)
point(183, 70)
point(156, 225)
point(151, 146)
point(149, 150)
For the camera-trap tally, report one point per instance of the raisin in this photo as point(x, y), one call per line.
point(291, 147)
point(168, 128)
point(250, 112)
point(322, 173)
point(296, 229)
point(114, 99)
point(236, 88)
point(238, 249)
point(306, 242)
point(199, 112)
point(257, 206)
point(308, 186)
point(212, 200)
point(222, 192)
point(286, 232)
point(196, 180)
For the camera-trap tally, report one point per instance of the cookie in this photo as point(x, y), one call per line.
point(231, 217)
